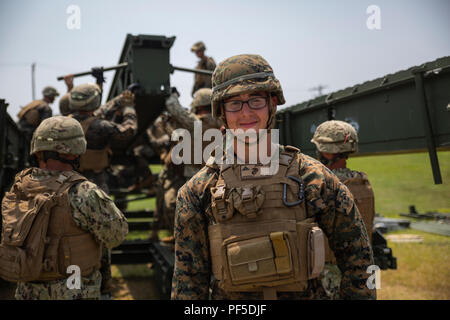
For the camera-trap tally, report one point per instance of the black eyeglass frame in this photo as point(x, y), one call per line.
point(247, 102)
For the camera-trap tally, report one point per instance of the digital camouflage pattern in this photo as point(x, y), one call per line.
point(85, 97)
point(346, 173)
point(331, 278)
point(336, 136)
point(60, 134)
point(180, 115)
point(331, 275)
point(95, 212)
point(118, 106)
point(227, 81)
point(100, 135)
point(327, 199)
point(103, 133)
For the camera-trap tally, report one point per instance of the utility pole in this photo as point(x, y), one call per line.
point(33, 84)
point(319, 89)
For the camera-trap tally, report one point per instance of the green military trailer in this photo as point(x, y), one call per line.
point(407, 111)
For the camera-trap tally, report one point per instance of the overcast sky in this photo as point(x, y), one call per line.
point(307, 42)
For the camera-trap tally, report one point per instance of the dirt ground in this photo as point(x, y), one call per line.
point(135, 289)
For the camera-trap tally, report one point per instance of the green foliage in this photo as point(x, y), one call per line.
point(402, 180)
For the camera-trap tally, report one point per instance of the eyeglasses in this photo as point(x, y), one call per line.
point(253, 103)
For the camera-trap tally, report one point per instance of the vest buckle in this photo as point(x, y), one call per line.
point(301, 195)
point(220, 208)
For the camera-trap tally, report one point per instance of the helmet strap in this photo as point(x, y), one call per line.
point(338, 161)
point(75, 163)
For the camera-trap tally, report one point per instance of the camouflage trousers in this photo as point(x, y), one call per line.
point(330, 279)
point(59, 290)
point(100, 179)
point(105, 270)
point(166, 195)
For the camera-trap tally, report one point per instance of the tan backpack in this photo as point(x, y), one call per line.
point(25, 225)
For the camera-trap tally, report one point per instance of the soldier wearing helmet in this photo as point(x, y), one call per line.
point(77, 211)
point(172, 176)
point(100, 134)
point(84, 100)
point(335, 141)
point(205, 63)
point(33, 113)
point(64, 104)
point(248, 232)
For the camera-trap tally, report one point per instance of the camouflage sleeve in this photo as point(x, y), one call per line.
point(128, 128)
point(95, 212)
point(181, 115)
point(106, 111)
point(192, 271)
point(333, 205)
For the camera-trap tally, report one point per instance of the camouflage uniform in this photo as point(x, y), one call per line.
point(340, 139)
point(35, 112)
point(92, 210)
point(104, 133)
point(205, 63)
point(100, 135)
point(172, 177)
point(327, 200)
point(119, 110)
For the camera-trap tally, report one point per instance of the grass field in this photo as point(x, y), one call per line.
point(398, 182)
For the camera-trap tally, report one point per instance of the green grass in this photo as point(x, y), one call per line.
point(402, 180)
point(422, 269)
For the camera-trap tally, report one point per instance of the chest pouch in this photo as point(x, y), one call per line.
point(222, 208)
point(248, 200)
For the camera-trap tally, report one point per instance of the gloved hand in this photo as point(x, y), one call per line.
point(97, 73)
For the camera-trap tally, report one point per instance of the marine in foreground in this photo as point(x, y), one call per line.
point(246, 234)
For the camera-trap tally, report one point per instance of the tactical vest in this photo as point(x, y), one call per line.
point(262, 239)
point(362, 192)
point(31, 113)
point(40, 239)
point(93, 159)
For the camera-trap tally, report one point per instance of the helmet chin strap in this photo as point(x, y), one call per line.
point(75, 163)
point(330, 162)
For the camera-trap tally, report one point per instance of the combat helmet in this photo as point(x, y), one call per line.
point(336, 136)
point(198, 46)
point(50, 92)
point(64, 104)
point(59, 134)
point(246, 73)
point(85, 97)
point(202, 97)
